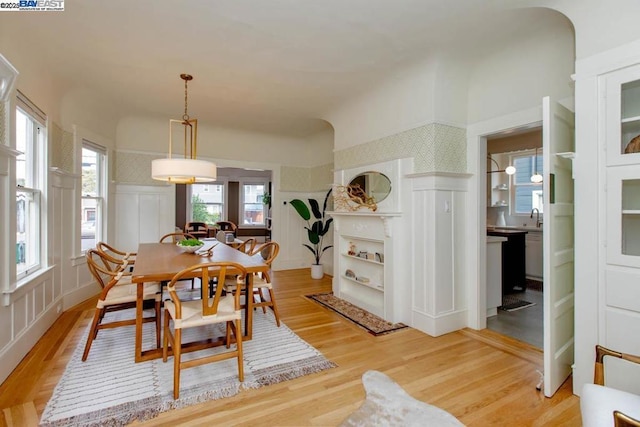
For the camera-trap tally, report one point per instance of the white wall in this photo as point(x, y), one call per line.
point(151, 134)
point(518, 74)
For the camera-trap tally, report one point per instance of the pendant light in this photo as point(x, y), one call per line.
point(536, 178)
point(509, 170)
point(188, 169)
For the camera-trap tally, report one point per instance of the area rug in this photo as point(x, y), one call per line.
point(368, 321)
point(513, 303)
point(387, 404)
point(534, 285)
point(111, 389)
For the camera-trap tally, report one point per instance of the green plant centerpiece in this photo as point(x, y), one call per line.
point(190, 245)
point(317, 227)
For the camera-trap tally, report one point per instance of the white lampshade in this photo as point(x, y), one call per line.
point(536, 178)
point(183, 171)
point(510, 170)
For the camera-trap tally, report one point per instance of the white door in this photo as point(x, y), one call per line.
point(558, 259)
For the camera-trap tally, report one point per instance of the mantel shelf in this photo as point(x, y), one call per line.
point(384, 216)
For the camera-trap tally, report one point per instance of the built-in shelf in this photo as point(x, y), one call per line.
point(631, 119)
point(363, 259)
point(372, 285)
point(631, 212)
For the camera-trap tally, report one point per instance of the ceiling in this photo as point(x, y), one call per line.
point(271, 65)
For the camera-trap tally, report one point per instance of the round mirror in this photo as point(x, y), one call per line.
point(375, 184)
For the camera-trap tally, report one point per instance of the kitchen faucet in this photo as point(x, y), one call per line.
point(538, 223)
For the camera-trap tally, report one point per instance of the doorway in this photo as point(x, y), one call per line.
point(514, 213)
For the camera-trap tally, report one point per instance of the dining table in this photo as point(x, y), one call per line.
point(159, 262)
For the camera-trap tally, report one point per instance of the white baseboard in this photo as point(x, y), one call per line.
point(439, 325)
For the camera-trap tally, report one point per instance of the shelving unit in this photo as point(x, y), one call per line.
point(623, 169)
point(362, 246)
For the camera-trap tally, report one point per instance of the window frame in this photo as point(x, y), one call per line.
point(241, 209)
point(34, 186)
point(225, 199)
point(535, 187)
point(99, 199)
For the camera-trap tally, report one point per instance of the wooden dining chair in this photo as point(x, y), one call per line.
point(118, 293)
point(175, 237)
point(247, 246)
point(261, 281)
point(227, 226)
point(195, 313)
point(198, 229)
point(107, 249)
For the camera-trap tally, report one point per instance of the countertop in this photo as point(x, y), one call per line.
point(514, 227)
point(505, 232)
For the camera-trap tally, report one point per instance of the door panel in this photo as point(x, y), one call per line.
point(558, 243)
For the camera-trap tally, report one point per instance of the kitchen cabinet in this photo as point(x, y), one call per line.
point(533, 251)
point(513, 260)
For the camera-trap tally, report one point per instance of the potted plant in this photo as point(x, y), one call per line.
point(316, 228)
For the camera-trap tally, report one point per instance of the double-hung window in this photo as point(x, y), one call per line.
point(252, 210)
point(526, 195)
point(93, 194)
point(207, 202)
point(31, 138)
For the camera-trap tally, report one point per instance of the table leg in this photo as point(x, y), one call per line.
point(139, 304)
point(248, 318)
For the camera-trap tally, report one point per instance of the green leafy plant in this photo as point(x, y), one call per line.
point(316, 228)
point(190, 242)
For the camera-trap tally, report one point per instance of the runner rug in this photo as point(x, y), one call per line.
point(111, 389)
point(373, 324)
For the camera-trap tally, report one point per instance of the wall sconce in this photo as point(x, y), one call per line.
point(536, 178)
point(509, 170)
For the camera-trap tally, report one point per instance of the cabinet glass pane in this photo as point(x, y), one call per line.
point(631, 195)
point(630, 106)
point(631, 235)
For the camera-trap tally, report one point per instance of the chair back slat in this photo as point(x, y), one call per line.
point(175, 237)
point(206, 272)
point(268, 251)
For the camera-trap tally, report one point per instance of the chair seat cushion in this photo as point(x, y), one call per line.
point(192, 312)
point(597, 404)
point(126, 292)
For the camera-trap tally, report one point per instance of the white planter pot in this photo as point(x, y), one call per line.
point(316, 271)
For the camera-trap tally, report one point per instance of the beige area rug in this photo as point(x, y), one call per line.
point(368, 321)
point(387, 404)
point(111, 389)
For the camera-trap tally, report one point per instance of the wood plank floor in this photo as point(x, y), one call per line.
point(482, 378)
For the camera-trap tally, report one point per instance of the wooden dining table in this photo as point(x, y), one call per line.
point(159, 262)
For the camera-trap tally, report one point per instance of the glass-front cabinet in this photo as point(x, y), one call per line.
point(623, 117)
point(622, 131)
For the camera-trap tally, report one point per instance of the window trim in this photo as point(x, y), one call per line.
point(225, 198)
point(513, 185)
point(101, 189)
point(36, 167)
point(251, 181)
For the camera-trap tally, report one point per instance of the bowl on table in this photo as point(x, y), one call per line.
point(190, 245)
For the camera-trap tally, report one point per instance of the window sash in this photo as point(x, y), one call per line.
point(252, 210)
point(207, 202)
point(526, 195)
point(92, 200)
point(28, 244)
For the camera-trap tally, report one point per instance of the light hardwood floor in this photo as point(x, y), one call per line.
point(481, 377)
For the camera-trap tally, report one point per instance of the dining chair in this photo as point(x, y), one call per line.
point(209, 310)
point(176, 237)
point(261, 281)
point(118, 293)
point(197, 229)
point(247, 246)
point(227, 226)
point(601, 405)
point(107, 249)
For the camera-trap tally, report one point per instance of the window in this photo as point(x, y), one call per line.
point(93, 192)
point(30, 182)
point(526, 195)
point(207, 202)
point(251, 206)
